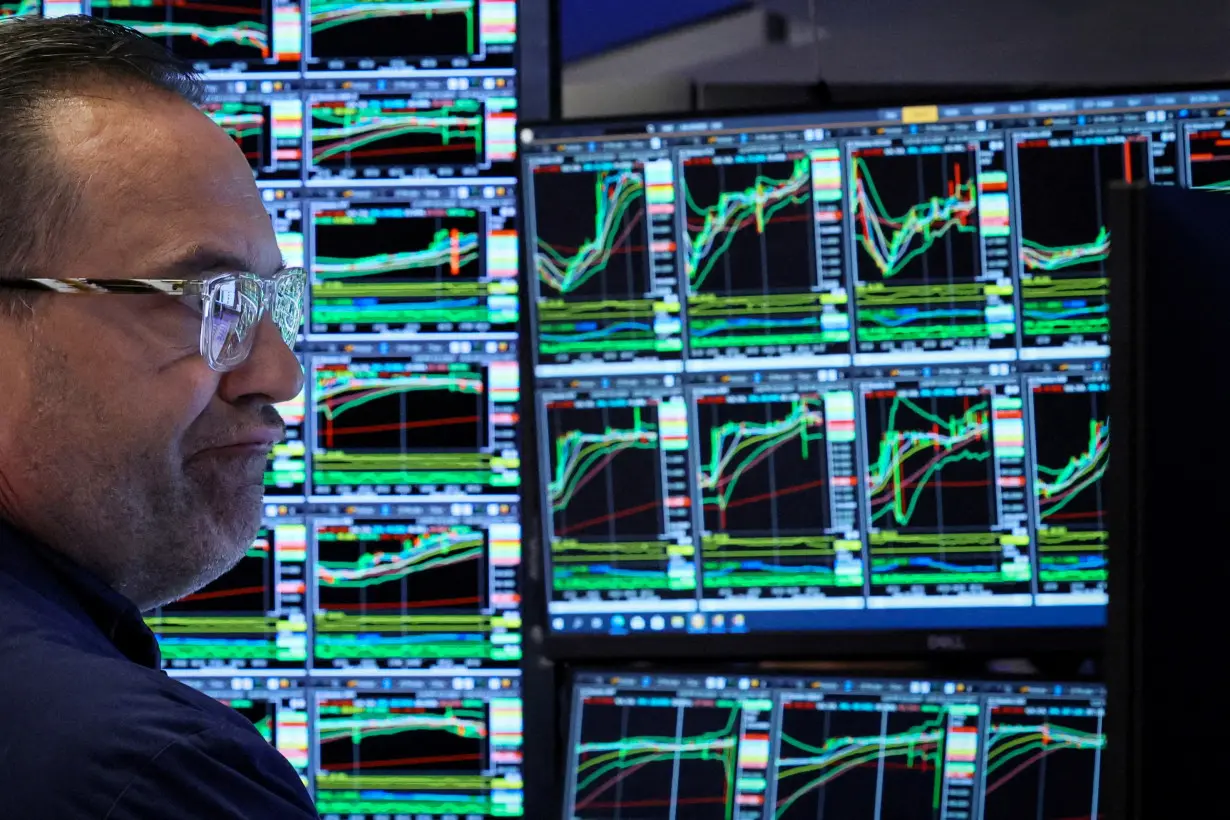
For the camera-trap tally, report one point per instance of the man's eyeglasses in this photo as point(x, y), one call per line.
point(231, 305)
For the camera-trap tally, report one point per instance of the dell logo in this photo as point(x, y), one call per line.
point(946, 643)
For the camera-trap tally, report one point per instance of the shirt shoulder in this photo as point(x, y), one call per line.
point(112, 727)
point(214, 774)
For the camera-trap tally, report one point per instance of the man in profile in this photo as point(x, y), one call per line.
point(145, 315)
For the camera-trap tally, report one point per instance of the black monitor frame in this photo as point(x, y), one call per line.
point(783, 645)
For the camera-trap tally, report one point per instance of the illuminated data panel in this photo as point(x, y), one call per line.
point(439, 262)
point(1042, 756)
point(699, 752)
point(253, 617)
point(20, 8)
point(265, 118)
point(946, 495)
point(605, 282)
point(1070, 455)
point(223, 36)
point(417, 747)
point(277, 707)
point(1208, 154)
point(762, 254)
point(616, 494)
point(442, 424)
point(733, 747)
point(286, 471)
point(777, 491)
point(907, 754)
point(377, 132)
point(418, 586)
point(930, 249)
point(1063, 234)
point(396, 36)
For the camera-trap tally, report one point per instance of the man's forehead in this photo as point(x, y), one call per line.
point(201, 258)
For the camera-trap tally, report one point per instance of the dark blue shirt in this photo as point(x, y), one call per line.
point(90, 727)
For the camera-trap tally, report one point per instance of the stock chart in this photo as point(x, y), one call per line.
point(595, 266)
point(790, 748)
point(750, 227)
point(253, 616)
point(1072, 452)
point(421, 748)
point(382, 272)
point(346, 34)
point(256, 33)
point(919, 262)
point(267, 128)
point(403, 593)
point(1064, 237)
point(388, 426)
point(1207, 149)
point(777, 487)
point(277, 707)
point(938, 499)
point(655, 758)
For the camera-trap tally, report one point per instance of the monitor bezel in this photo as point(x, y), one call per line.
point(841, 643)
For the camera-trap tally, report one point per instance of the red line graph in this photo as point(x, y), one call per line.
point(223, 593)
point(611, 516)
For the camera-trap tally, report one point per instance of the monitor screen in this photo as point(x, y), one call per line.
point(742, 747)
point(835, 371)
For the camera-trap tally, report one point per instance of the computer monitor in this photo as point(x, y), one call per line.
point(740, 746)
point(1168, 610)
point(839, 372)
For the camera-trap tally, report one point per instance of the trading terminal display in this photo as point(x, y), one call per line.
point(857, 360)
point(382, 137)
point(777, 748)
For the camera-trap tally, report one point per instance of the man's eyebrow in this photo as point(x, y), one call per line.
point(203, 259)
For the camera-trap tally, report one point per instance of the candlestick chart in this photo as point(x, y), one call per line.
point(217, 30)
point(251, 616)
point(931, 487)
point(654, 759)
point(1065, 240)
point(402, 755)
point(385, 270)
point(1043, 762)
point(1071, 455)
point(605, 491)
point(887, 762)
point(764, 482)
point(402, 29)
point(392, 135)
point(592, 262)
point(749, 246)
point(917, 247)
point(1208, 152)
point(398, 593)
point(388, 423)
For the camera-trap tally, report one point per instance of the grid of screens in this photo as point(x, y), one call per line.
point(373, 630)
point(835, 371)
point(790, 748)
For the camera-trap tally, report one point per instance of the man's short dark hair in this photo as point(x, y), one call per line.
point(43, 60)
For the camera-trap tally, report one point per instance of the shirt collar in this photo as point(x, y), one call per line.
point(81, 593)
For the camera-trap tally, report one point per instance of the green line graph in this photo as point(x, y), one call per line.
point(617, 194)
point(250, 35)
point(1037, 256)
point(1012, 748)
point(893, 242)
point(345, 130)
point(897, 483)
point(419, 554)
point(602, 765)
point(712, 229)
point(734, 447)
point(579, 456)
point(1056, 487)
point(918, 747)
point(330, 14)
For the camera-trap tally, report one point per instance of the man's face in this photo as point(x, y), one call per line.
point(114, 431)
